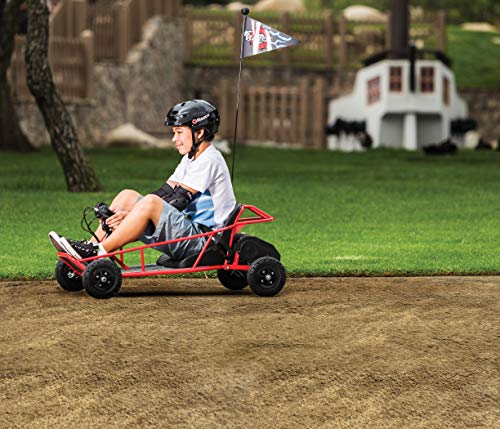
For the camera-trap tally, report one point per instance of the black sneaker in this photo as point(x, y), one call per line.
point(79, 250)
point(72, 242)
point(55, 239)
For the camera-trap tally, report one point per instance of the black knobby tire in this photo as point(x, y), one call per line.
point(233, 279)
point(266, 276)
point(67, 278)
point(102, 279)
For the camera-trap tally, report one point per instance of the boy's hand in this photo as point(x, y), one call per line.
point(116, 219)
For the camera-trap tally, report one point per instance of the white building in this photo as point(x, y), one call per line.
point(395, 116)
point(402, 99)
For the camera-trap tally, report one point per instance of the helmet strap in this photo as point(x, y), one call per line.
point(195, 146)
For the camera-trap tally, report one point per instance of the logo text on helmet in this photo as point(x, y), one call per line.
point(196, 120)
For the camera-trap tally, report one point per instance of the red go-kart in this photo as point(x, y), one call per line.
point(240, 260)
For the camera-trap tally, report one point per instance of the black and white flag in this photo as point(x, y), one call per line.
point(259, 38)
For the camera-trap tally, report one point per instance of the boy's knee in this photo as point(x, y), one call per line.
point(128, 193)
point(124, 200)
point(152, 202)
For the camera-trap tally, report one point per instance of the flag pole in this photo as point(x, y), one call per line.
point(245, 11)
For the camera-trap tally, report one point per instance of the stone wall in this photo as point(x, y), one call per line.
point(203, 81)
point(484, 107)
point(138, 91)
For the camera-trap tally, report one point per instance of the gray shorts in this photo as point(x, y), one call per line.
point(172, 225)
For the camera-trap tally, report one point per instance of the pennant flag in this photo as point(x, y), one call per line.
point(259, 38)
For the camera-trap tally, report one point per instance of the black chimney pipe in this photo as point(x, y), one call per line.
point(400, 18)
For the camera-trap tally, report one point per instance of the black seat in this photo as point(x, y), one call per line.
point(226, 235)
point(216, 251)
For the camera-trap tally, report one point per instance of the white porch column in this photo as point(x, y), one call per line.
point(410, 132)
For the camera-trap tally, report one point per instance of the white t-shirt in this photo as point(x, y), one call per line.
point(209, 175)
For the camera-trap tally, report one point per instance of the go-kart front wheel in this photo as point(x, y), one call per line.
point(67, 278)
point(102, 279)
point(233, 279)
point(266, 276)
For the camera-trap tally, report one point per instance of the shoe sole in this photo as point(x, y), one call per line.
point(69, 249)
point(55, 239)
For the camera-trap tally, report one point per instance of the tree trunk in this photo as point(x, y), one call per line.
point(11, 135)
point(80, 176)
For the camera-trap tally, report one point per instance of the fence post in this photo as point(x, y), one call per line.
point(319, 91)
point(176, 8)
point(242, 114)
point(121, 30)
point(343, 42)
point(188, 31)
point(87, 39)
point(284, 135)
point(285, 24)
point(222, 100)
point(273, 108)
point(252, 114)
point(142, 18)
point(168, 8)
point(68, 20)
point(441, 31)
point(237, 37)
point(329, 38)
point(304, 111)
point(80, 10)
point(163, 7)
point(263, 118)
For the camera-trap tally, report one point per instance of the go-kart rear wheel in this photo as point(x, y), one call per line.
point(266, 276)
point(233, 279)
point(102, 279)
point(67, 278)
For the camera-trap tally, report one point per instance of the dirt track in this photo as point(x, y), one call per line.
point(325, 353)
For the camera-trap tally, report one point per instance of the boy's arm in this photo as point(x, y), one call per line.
point(178, 195)
point(168, 188)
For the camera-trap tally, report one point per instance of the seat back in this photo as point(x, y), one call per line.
point(231, 219)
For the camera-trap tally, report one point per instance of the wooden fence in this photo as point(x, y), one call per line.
point(289, 115)
point(80, 34)
point(117, 25)
point(68, 19)
point(71, 61)
point(214, 37)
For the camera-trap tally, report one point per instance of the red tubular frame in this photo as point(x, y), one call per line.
point(79, 265)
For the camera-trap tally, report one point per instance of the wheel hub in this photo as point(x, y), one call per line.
point(267, 277)
point(103, 279)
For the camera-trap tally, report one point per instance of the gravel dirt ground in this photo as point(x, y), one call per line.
point(187, 353)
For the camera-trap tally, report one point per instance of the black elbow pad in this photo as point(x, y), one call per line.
point(180, 198)
point(164, 192)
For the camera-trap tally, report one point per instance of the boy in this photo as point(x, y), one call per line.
point(198, 192)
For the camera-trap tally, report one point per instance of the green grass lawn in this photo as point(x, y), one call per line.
point(375, 213)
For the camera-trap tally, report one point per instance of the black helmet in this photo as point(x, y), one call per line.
point(195, 114)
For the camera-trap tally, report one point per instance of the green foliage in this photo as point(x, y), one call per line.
point(476, 58)
point(375, 213)
point(457, 10)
